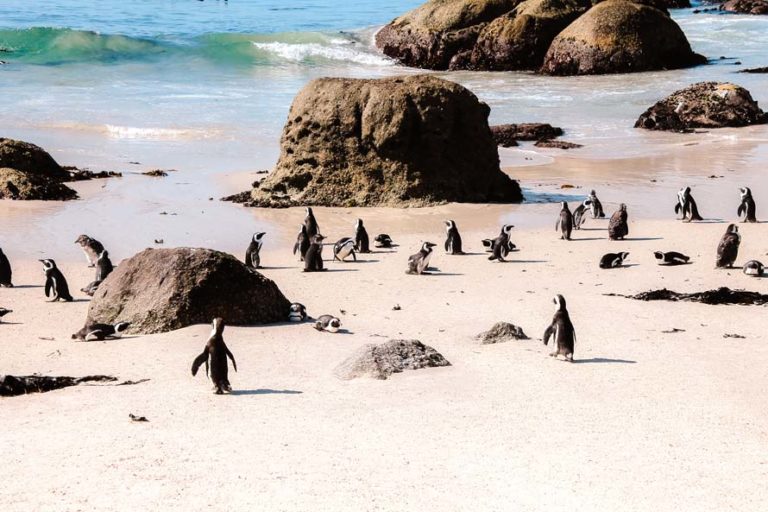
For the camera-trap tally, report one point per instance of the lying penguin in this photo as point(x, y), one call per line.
point(328, 323)
point(613, 260)
point(671, 258)
point(297, 312)
point(100, 332)
point(753, 268)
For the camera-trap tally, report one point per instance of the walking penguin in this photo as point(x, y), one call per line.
point(55, 283)
point(217, 352)
point(561, 330)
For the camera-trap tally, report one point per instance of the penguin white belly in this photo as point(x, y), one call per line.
point(425, 263)
point(345, 251)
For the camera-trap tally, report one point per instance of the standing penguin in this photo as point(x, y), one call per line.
point(252, 254)
point(217, 351)
point(104, 267)
point(453, 238)
point(313, 259)
point(383, 241)
point(687, 205)
point(419, 263)
point(361, 238)
point(617, 226)
point(564, 222)
point(728, 248)
point(562, 331)
point(55, 284)
point(579, 214)
point(343, 249)
point(500, 246)
point(595, 205)
point(311, 224)
point(746, 209)
point(302, 243)
point(92, 248)
point(6, 274)
point(613, 260)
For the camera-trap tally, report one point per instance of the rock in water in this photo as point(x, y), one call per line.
point(160, 290)
point(394, 356)
point(745, 6)
point(703, 105)
point(435, 33)
point(28, 172)
point(520, 39)
point(408, 141)
point(507, 135)
point(619, 36)
point(502, 332)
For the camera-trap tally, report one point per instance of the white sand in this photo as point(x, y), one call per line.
point(644, 421)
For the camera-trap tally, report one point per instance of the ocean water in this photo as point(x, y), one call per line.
point(206, 85)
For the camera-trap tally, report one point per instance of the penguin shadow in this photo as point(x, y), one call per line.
point(357, 261)
point(248, 392)
point(22, 286)
point(434, 271)
point(11, 323)
point(603, 360)
point(328, 270)
point(467, 254)
point(644, 239)
point(586, 239)
point(274, 268)
point(526, 261)
point(707, 221)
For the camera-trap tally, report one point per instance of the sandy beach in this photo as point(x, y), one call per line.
point(674, 420)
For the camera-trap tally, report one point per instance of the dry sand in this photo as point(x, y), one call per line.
point(645, 420)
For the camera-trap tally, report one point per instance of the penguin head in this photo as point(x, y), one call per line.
point(82, 240)
point(559, 301)
point(659, 255)
point(623, 207)
point(258, 236)
point(623, 255)
point(120, 327)
point(48, 264)
point(334, 325)
point(303, 230)
point(104, 254)
point(564, 204)
point(427, 246)
point(359, 223)
point(587, 202)
point(592, 193)
point(218, 325)
point(309, 212)
point(686, 190)
point(450, 224)
point(507, 229)
point(745, 192)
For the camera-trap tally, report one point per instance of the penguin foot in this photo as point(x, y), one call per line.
point(553, 354)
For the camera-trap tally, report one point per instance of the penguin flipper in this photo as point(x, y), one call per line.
point(741, 210)
point(234, 364)
point(447, 244)
point(547, 334)
point(48, 286)
point(199, 360)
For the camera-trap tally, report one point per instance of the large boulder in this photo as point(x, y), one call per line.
point(520, 38)
point(160, 290)
point(28, 172)
point(619, 36)
point(15, 184)
point(745, 6)
point(408, 141)
point(394, 356)
point(431, 35)
point(703, 105)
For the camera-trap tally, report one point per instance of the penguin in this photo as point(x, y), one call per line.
point(579, 214)
point(501, 245)
point(687, 205)
point(361, 238)
point(595, 206)
point(728, 248)
point(419, 263)
point(313, 259)
point(3, 312)
point(55, 283)
point(100, 332)
point(91, 247)
point(302, 243)
point(488, 243)
point(753, 268)
point(104, 267)
point(383, 241)
point(344, 248)
point(6, 274)
point(311, 224)
point(746, 209)
point(562, 331)
point(453, 238)
point(564, 222)
point(613, 260)
point(297, 312)
point(671, 258)
point(252, 257)
point(217, 351)
point(617, 226)
point(328, 323)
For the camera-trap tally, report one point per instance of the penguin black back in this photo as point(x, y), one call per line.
point(253, 253)
point(216, 351)
point(617, 226)
point(453, 238)
point(302, 243)
point(728, 248)
point(6, 274)
point(313, 259)
point(311, 223)
point(55, 283)
point(564, 222)
point(561, 329)
point(746, 210)
point(362, 244)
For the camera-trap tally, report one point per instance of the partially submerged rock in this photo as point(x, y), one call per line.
point(721, 295)
point(755, 70)
point(408, 141)
point(394, 356)
point(160, 290)
point(703, 105)
point(502, 332)
point(745, 6)
point(29, 158)
point(15, 184)
point(11, 385)
point(619, 36)
point(507, 135)
point(557, 144)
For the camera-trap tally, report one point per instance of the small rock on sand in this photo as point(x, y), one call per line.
point(502, 332)
point(394, 356)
